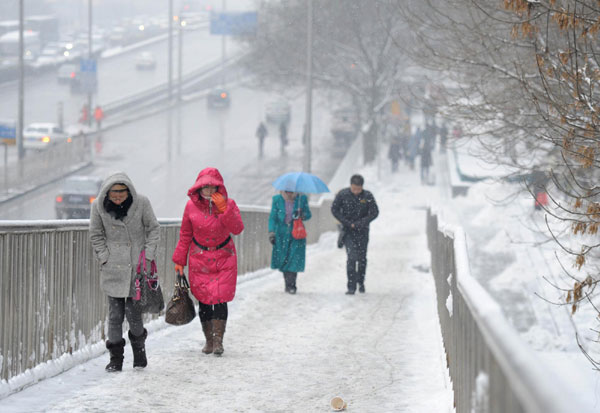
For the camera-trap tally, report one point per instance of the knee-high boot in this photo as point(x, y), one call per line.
point(218, 333)
point(138, 346)
point(207, 328)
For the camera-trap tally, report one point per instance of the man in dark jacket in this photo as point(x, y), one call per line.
point(355, 208)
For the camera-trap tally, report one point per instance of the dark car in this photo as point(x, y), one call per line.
point(218, 98)
point(76, 197)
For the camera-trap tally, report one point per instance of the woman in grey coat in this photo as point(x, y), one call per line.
point(122, 225)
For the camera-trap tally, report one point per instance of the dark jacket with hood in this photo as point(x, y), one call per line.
point(117, 238)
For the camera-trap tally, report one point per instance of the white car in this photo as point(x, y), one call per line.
point(42, 135)
point(145, 61)
point(278, 111)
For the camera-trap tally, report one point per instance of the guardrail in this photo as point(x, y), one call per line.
point(491, 368)
point(50, 299)
point(44, 166)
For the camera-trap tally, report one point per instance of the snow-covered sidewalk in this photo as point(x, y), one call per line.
point(381, 351)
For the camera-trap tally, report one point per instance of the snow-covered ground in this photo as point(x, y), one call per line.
point(380, 351)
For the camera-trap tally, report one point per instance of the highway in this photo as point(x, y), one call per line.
point(223, 138)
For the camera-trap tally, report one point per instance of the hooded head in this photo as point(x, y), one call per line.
point(207, 176)
point(103, 197)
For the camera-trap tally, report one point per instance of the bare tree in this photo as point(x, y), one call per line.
point(353, 51)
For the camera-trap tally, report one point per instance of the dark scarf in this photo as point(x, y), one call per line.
point(118, 211)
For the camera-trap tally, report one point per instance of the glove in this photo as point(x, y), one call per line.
point(179, 269)
point(219, 202)
point(272, 238)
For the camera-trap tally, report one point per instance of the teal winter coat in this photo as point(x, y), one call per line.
point(288, 253)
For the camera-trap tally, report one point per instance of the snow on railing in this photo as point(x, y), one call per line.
point(491, 368)
point(52, 311)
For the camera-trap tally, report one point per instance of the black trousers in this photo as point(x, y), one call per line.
point(356, 250)
point(209, 312)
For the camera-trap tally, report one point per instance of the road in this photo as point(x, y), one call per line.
point(220, 138)
point(117, 78)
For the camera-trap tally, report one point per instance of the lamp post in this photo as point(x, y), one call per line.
point(308, 124)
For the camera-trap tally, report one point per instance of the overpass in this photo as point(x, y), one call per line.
point(389, 350)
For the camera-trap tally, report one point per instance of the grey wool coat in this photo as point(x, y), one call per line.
point(118, 243)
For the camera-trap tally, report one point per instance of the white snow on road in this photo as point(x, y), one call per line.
point(380, 351)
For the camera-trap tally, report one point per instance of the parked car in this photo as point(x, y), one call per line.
point(218, 98)
point(42, 135)
point(344, 126)
point(145, 61)
point(76, 197)
point(278, 111)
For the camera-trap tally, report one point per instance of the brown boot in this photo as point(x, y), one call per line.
point(208, 334)
point(218, 332)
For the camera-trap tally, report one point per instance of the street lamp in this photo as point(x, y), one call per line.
point(308, 125)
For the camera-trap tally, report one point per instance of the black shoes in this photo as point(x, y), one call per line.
point(349, 292)
point(361, 288)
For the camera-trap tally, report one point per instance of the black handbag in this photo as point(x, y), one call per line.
point(148, 294)
point(180, 309)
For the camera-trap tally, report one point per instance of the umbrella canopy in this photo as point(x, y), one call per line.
point(300, 182)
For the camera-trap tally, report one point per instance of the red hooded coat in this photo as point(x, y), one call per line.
point(212, 273)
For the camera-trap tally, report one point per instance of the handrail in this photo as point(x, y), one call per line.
point(492, 369)
point(50, 300)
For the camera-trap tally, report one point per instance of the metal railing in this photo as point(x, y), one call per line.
point(491, 368)
point(50, 299)
point(44, 166)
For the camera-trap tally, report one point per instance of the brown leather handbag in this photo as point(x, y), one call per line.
point(180, 309)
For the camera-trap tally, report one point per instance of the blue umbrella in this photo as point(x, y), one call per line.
point(300, 182)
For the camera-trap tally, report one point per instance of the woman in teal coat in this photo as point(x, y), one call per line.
point(288, 252)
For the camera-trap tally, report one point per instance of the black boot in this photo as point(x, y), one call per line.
point(116, 355)
point(138, 345)
point(287, 277)
point(293, 277)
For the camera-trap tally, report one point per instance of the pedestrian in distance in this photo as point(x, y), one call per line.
point(443, 138)
point(283, 139)
point(98, 116)
point(122, 225)
point(261, 134)
point(209, 219)
point(394, 153)
point(426, 161)
point(355, 208)
point(412, 148)
point(288, 254)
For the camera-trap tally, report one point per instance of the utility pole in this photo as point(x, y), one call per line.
point(180, 62)
point(223, 49)
point(308, 124)
point(170, 51)
point(90, 53)
point(21, 103)
point(170, 84)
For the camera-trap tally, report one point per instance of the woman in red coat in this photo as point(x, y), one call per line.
point(209, 219)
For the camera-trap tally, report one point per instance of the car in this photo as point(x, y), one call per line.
point(76, 196)
point(278, 111)
point(42, 135)
point(344, 126)
point(66, 72)
point(145, 61)
point(218, 98)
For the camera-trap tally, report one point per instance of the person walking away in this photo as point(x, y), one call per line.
point(261, 134)
point(414, 143)
point(426, 161)
point(98, 116)
point(394, 153)
point(355, 208)
point(283, 136)
point(209, 219)
point(122, 225)
point(443, 138)
point(289, 254)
